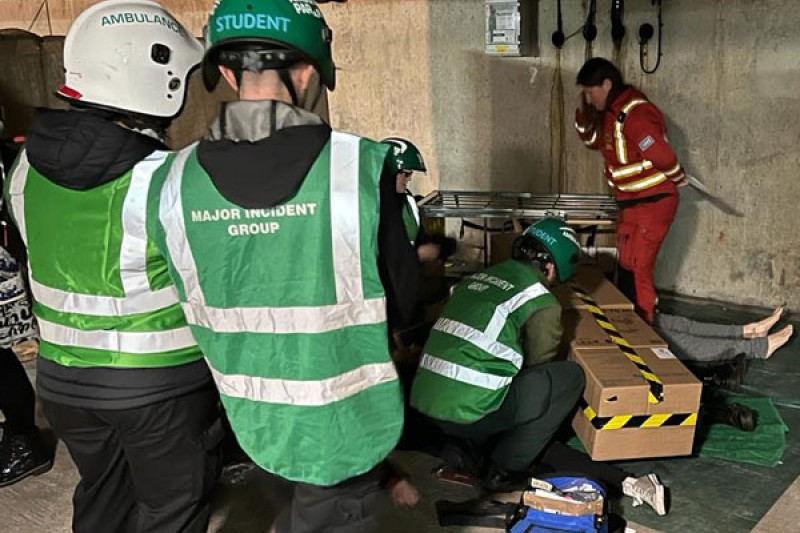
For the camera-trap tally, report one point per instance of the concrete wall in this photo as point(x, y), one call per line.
point(729, 84)
point(383, 86)
point(55, 16)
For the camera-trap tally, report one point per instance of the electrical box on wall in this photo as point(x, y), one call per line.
point(511, 27)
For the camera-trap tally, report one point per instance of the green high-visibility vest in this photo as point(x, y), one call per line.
point(474, 349)
point(102, 292)
point(411, 218)
point(288, 306)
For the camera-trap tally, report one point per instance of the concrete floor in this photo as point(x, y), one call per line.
point(42, 504)
point(707, 495)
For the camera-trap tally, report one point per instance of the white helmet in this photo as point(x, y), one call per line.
point(129, 55)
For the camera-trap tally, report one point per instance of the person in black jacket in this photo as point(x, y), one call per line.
point(120, 378)
point(23, 451)
point(264, 155)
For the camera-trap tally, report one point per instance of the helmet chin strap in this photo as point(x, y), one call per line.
point(286, 78)
point(305, 104)
point(310, 101)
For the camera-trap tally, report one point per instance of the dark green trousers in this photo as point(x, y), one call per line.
point(539, 400)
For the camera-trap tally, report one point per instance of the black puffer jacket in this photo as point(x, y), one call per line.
point(82, 150)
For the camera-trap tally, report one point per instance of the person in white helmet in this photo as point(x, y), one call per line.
point(120, 377)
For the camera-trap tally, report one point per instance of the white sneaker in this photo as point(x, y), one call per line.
point(646, 489)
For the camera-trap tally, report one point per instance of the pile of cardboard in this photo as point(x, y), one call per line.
point(640, 400)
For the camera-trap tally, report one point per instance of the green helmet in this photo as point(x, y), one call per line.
point(407, 157)
point(558, 239)
point(272, 34)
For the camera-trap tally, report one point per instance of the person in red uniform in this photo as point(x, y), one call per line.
point(640, 166)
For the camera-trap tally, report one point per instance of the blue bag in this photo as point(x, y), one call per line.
point(531, 520)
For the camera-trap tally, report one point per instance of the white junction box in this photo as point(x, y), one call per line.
point(511, 27)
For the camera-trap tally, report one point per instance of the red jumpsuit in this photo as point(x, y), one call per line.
point(643, 171)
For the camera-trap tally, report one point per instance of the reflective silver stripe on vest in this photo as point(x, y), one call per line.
point(305, 393)
point(502, 311)
point(90, 304)
point(133, 255)
point(16, 190)
point(281, 320)
point(170, 212)
point(479, 339)
point(462, 373)
point(350, 310)
point(140, 342)
point(345, 227)
point(412, 203)
point(133, 252)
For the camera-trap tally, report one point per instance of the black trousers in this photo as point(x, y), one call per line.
point(144, 470)
point(17, 400)
point(539, 399)
point(349, 507)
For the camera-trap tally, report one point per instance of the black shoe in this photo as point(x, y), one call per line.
point(498, 480)
point(475, 512)
point(460, 456)
point(22, 456)
point(237, 473)
point(732, 414)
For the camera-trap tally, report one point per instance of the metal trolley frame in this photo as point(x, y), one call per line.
point(590, 213)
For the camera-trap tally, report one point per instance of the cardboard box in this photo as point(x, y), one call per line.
point(615, 385)
point(572, 508)
point(616, 388)
point(630, 443)
point(593, 281)
point(582, 330)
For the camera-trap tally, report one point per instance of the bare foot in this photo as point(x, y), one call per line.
point(778, 339)
point(762, 327)
point(404, 494)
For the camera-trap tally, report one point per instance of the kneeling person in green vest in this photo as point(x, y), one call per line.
point(286, 243)
point(486, 375)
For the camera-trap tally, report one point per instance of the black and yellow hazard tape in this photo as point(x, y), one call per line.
point(656, 392)
point(636, 421)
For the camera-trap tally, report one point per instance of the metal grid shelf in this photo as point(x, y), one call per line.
point(595, 209)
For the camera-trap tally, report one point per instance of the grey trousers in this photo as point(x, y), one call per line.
point(692, 340)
